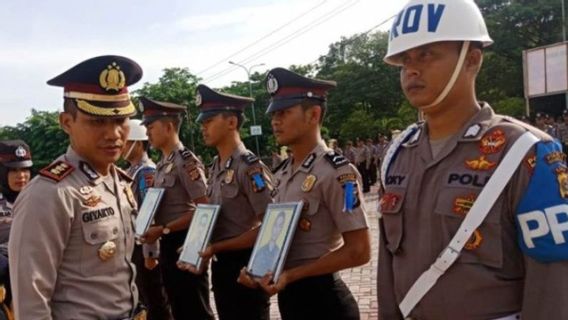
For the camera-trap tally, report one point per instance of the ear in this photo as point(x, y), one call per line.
point(233, 122)
point(316, 114)
point(66, 121)
point(474, 60)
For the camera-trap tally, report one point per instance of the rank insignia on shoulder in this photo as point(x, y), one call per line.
point(463, 204)
point(492, 142)
point(556, 156)
point(57, 171)
point(336, 159)
point(562, 177)
point(309, 182)
point(350, 193)
point(257, 178)
point(250, 158)
point(480, 164)
point(88, 171)
point(229, 174)
point(185, 153)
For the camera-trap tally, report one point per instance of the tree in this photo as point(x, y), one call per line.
point(42, 133)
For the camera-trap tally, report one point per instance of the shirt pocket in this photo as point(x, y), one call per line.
point(95, 235)
point(310, 206)
point(229, 190)
point(392, 215)
point(485, 244)
point(169, 180)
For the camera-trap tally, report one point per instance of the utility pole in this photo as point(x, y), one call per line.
point(247, 70)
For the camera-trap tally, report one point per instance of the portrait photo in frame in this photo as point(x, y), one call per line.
point(199, 233)
point(147, 210)
point(274, 239)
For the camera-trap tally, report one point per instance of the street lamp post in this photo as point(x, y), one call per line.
point(247, 70)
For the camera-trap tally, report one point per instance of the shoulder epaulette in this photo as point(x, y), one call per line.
point(250, 158)
point(336, 159)
point(123, 175)
point(282, 165)
point(57, 171)
point(185, 154)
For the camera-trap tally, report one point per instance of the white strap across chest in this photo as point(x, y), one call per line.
point(472, 221)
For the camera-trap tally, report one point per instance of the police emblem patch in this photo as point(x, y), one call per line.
point(271, 84)
point(193, 172)
point(472, 131)
point(556, 156)
point(480, 164)
point(492, 142)
point(474, 241)
point(388, 202)
point(92, 201)
point(531, 162)
point(463, 204)
point(21, 152)
point(112, 78)
point(562, 178)
point(107, 250)
point(257, 179)
point(309, 182)
point(229, 175)
point(350, 192)
point(86, 189)
point(198, 99)
point(305, 224)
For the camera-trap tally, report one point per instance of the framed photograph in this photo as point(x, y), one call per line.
point(274, 239)
point(147, 210)
point(199, 233)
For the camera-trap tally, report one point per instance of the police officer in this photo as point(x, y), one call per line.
point(332, 232)
point(148, 275)
point(15, 165)
point(72, 233)
point(240, 183)
point(512, 265)
point(182, 176)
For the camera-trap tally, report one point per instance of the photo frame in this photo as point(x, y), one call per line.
point(199, 233)
point(274, 238)
point(147, 210)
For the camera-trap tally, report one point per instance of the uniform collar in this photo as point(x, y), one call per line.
point(308, 162)
point(478, 124)
point(239, 151)
point(84, 167)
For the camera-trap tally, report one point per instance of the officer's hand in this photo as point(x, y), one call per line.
point(273, 288)
point(153, 234)
point(150, 263)
point(246, 280)
point(184, 266)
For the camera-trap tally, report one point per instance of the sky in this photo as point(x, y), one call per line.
point(41, 39)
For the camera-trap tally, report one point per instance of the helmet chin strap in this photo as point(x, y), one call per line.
point(454, 77)
point(130, 150)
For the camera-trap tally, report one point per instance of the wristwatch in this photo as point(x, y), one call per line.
point(165, 230)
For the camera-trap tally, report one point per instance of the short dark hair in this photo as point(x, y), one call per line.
point(309, 103)
point(175, 120)
point(240, 117)
point(69, 106)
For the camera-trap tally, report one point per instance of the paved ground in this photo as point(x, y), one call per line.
point(363, 280)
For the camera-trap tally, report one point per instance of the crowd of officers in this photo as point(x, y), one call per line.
point(72, 252)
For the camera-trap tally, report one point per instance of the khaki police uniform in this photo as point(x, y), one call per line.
point(149, 282)
point(243, 203)
point(319, 183)
point(182, 176)
point(5, 218)
point(71, 243)
point(424, 202)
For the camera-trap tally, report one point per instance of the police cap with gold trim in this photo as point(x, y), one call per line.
point(153, 110)
point(15, 154)
point(288, 89)
point(99, 86)
point(211, 102)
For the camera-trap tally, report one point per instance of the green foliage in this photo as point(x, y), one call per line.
point(42, 133)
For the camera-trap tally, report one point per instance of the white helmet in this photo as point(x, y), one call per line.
point(137, 131)
point(426, 21)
